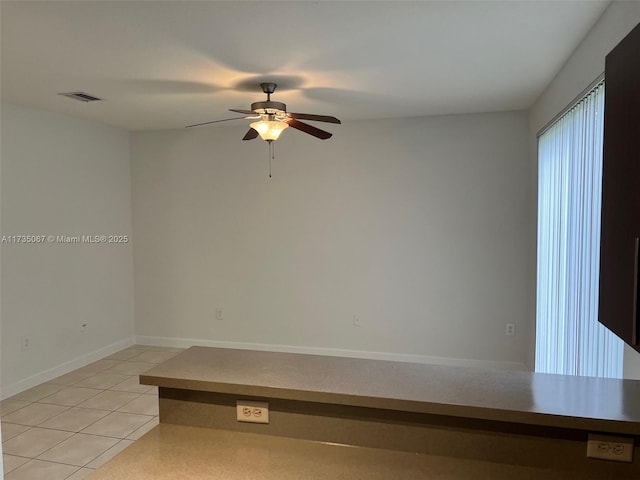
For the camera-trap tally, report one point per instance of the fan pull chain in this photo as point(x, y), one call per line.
point(272, 155)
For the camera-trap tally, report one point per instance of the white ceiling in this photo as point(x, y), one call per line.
point(166, 64)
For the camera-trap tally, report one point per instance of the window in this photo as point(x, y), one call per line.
point(569, 339)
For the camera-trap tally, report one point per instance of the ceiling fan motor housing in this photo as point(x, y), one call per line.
point(269, 108)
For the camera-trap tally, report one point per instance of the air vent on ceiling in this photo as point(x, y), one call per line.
point(81, 96)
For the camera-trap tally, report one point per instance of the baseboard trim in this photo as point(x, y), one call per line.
point(332, 352)
point(66, 367)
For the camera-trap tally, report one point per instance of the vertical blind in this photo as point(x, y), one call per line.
point(569, 338)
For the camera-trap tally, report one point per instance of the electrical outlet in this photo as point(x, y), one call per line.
point(219, 315)
point(356, 321)
point(26, 342)
point(252, 412)
point(608, 447)
point(510, 330)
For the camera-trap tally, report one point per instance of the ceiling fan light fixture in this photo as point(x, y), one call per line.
point(269, 130)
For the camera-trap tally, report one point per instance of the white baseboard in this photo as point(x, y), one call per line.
point(66, 367)
point(332, 352)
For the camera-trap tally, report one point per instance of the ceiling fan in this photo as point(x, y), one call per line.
point(273, 118)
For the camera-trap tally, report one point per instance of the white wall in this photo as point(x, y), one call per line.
point(585, 65)
point(420, 227)
point(586, 62)
point(62, 176)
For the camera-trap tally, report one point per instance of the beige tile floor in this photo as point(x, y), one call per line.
point(66, 428)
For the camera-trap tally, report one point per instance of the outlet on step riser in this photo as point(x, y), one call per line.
point(607, 447)
point(26, 342)
point(252, 412)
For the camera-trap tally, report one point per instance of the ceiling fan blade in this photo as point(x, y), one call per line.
point(317, 118)
point(306, 128)
point(250, 135)
point(246, 112)
point(215, 121)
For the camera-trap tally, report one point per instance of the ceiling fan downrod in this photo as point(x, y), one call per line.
point(268, 88)
point(269, 107)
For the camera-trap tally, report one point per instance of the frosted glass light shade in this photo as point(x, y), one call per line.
point(269, 130)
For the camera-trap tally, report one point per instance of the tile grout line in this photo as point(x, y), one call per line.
point(115, 366)
point(71, 464)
